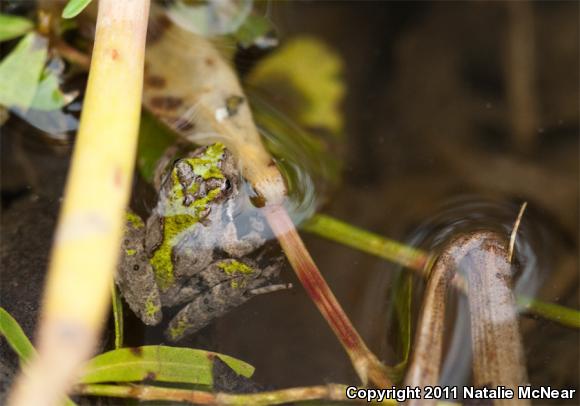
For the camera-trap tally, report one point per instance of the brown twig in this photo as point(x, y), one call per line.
point(330, 392)
point(71, 54)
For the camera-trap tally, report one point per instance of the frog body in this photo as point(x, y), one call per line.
point(190, 252)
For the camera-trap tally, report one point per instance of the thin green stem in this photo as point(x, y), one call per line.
point(366, 241)
point(551, 311)
point(418, 260)
point(117, 317)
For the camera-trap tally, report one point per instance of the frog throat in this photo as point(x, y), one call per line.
point(178, 217)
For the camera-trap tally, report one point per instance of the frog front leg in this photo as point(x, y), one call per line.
point(221, 287)
point(135, 277)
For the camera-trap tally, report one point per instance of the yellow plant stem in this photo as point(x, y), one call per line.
point(87, 240)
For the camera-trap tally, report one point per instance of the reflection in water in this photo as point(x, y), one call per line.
point(308, 168)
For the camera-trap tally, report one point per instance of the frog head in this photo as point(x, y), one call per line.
point(193, 187)
point(197, 181)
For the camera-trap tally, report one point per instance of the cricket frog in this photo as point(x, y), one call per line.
point(190, 252)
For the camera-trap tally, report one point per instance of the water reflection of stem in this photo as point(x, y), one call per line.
point(330, 392)
point(418, 260)
point(364, 361)
point(520, 63)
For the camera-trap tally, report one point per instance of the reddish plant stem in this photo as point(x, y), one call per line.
point(364, 361)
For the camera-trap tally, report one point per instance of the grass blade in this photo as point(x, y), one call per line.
point(20, 71)
point(159, 363)
point(13, 26)
point(18, 341)
point(15, 336)
point(74, 8)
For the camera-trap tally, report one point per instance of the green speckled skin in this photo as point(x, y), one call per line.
point(190, 251)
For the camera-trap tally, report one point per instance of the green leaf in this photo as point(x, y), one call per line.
point(21, 70)
point(15, 336)
point(154, 138)
point(159, 363)
point(48, 95)
point(18, 341)
point(13, 26)
point(253, 28)
point(306, 76)
point(74, 8)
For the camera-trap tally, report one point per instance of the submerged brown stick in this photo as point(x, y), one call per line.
point(497, 347)
point(364, 361)
point(428, 345)
point(330, 392)
point(498, 356)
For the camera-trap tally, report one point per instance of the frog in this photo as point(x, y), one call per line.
point(192, 253)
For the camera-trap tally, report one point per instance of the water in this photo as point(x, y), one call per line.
point(428, 152)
